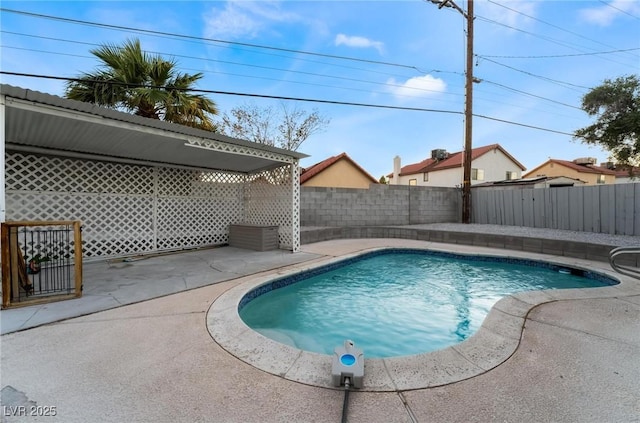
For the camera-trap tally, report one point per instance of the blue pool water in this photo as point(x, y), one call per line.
point(397, 302)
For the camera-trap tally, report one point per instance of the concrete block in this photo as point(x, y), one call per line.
point(533, 245)
point(575, 249)
point(553, 247)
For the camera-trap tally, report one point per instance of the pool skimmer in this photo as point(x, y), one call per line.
point(348, 365)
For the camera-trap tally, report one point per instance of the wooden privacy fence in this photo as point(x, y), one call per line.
point(41, 262)
point(610, 209)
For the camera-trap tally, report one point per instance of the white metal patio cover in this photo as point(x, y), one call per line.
point(36, 122)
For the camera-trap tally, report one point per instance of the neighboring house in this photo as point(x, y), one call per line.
point(584, 169)
point(443, 169)
point(624, 175)
point(529, 183)
point(336, 172)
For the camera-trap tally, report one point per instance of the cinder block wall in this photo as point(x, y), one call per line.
point(379, 205)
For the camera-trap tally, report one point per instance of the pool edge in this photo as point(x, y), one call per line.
point(497, 339)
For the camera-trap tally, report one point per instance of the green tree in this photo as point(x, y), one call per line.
point(285, 128)
point(143, 84)
point(383, 180)
point(616, 104)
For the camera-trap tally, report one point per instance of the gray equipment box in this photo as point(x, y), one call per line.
point(254, 237)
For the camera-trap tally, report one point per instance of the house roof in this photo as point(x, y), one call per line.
point(581, 168)
point(416, 167)
point(527, 181)
point(44, 123)
point(319, 167)
point(453, 160)
point(624, 173)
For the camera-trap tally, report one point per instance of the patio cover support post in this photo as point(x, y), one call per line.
point(3, 198)
point(295, 206)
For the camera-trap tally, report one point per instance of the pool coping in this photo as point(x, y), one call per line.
point(496, 340)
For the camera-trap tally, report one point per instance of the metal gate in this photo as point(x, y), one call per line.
point(41, 262)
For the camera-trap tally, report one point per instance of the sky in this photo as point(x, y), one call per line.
point(404, 59)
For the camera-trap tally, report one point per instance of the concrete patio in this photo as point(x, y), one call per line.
point(155, 361)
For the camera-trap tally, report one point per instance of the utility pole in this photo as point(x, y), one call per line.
point(468, 108)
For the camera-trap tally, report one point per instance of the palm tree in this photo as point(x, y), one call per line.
point(146, 85)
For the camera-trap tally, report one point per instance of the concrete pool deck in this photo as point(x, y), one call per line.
point(155, 361)
point(495, 341)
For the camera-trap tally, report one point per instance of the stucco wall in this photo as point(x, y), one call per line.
point(378, 205)
point(442, 178)
point(494, 163)
point(555, 169)
point(341, 174)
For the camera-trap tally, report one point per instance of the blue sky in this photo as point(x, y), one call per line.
point(535, 60)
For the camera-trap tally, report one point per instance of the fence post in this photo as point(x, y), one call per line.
point(13, 259)
point(6, 288)
point(77, 249)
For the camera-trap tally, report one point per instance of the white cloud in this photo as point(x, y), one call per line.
point(511, 14)
point(244, 19)
point(605, 15)
point(419, 86)
point(358, 42)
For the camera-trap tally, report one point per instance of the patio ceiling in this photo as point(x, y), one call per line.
point(44, 123)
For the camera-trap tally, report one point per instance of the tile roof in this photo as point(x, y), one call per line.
point(310, 172)
point(453, 160)
point(527, 181)
point(416, 167)
point(581, 168)
point(624, 173)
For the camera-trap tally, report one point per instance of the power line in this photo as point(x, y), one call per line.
point(192, 37)
point(212, 60)
point(270, 68)
point(158, 33)
point(386, 84)
point(595, 53)
point(530, 94)
point(562, 43)
point(260, 67)
point(618, 9)
point(310, 100)
point(544, 78)
point(248, 65)
point(523, 125)
point(350, 88)
point(188, 37)
point(549, 24)
point(198, 90)
point(549, 39)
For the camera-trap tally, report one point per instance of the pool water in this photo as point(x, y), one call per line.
point(397, 303)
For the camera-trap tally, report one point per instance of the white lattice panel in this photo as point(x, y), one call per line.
point(269, 201)
point(196, 221)
point(192, 183)
point(127, 209)
point(295, 207)
point(26, 172)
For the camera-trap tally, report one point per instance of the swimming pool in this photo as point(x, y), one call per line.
point(397, 302)
point(497, 339)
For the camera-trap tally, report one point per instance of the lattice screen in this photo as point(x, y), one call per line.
point(127, 209)
point(107, 197)
point(196, 208)
point(270, 200)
